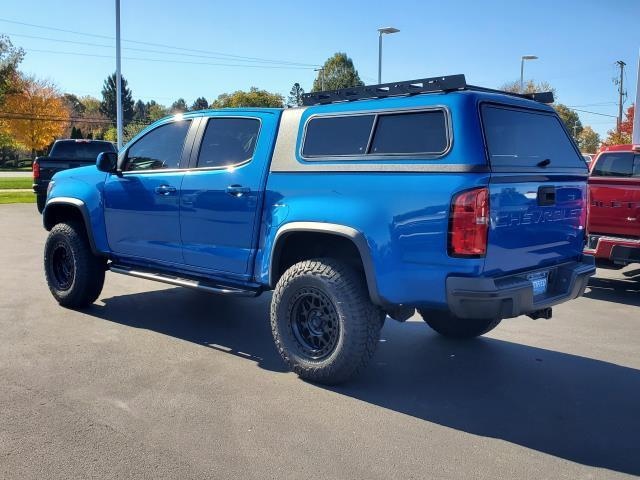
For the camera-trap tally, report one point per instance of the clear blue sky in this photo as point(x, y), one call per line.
point(577, 41)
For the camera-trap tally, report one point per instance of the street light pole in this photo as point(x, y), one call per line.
point(383, 31)
point(118, 78)
point(522, 59)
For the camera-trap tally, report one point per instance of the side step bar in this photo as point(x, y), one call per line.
point(182, 282)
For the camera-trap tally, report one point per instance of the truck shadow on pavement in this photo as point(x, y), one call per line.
point(625, 289)
point(572, 407)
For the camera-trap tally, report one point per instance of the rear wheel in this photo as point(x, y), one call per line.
point(75, 275)
point(323, 322)
point(453, 327)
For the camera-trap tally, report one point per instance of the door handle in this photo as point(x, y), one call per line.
point(237, 190)
point(165, 190)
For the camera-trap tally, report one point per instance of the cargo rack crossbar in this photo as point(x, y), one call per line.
point(449, 83)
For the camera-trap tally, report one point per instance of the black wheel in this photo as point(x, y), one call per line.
point(74, 274)
point(323, 322)
point(453, 327)
point(41, 200)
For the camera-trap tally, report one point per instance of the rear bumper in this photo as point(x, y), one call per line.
point(512, 296)
point(618, 250)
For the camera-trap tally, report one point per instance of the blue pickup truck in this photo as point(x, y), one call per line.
point(465, 203)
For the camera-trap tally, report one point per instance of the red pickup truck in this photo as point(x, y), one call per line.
point(614, 206)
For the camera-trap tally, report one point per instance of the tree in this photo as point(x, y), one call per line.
point(337, 72)
point(75, 106)
point(626, 129)
point(43, 113)
point(179, 106)
point(529, 87)
point(253, 98)
point(155, 111)
point(200, 104)
point(571, 120)
point(93, 122)
point(10, 57)
point(75, 133)
point(295, 95)
point(588, 140)
point(108, 105)
point(140, 111)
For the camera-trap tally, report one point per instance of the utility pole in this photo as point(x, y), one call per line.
point(620, 64)
point(321, 70)
point(635, 136)
point(118, 78)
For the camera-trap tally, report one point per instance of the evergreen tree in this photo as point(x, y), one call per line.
point(179, 106)
point(108, 104)
point(200, 104)
point(295, 95)
point(140, 111)
point(337, 72)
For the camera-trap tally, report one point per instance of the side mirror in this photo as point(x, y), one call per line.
point(107, 162)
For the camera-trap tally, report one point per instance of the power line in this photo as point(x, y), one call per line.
point(159, 60)
point(595, 113)
point(229, 55)
point(147, 50)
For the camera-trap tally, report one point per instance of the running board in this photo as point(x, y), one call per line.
point(182, 282)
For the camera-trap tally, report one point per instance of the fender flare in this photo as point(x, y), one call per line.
point(350, 233)
point(78, 205)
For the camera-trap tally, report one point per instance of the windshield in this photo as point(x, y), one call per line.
point(527, 138)
point(73, 150)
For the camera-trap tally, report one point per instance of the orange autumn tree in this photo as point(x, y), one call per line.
point(36, 114)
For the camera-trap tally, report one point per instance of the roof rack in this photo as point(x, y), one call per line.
point(410, 87)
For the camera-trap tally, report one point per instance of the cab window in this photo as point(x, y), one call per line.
point(161, 148)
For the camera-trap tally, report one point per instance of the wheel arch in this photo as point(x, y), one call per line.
point(60, 209)
point(347, 240)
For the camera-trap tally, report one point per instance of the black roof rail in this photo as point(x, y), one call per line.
point(409, 87)
point(383, 90)
point(542, 97)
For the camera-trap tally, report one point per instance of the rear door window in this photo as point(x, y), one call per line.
point(228, 141)
point(617, 164)
point(522, 139)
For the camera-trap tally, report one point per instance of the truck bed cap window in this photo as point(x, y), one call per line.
point(525, 138)
point(360, 136)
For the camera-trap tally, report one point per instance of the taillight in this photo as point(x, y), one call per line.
point(36, 170)
point(469, 223)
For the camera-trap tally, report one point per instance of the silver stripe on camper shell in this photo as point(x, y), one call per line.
point(285, 159)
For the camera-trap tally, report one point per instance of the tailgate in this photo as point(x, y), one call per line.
point(534, 223)
point(51, 166)
point(537, 190)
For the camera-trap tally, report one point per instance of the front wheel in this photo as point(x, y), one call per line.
point(74, 274)
point(323, 322)
point(451, 326)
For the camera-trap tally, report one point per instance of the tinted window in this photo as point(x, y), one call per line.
point(617, 164)
point(228, 141)
point(81, 150)
point(420, 132)
point(329, 136)
point(521, 138)
point(160, 148)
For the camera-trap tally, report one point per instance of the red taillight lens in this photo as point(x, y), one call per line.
point(469, 223)
point(36, 170)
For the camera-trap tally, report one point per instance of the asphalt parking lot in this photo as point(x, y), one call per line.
point(161, 382)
